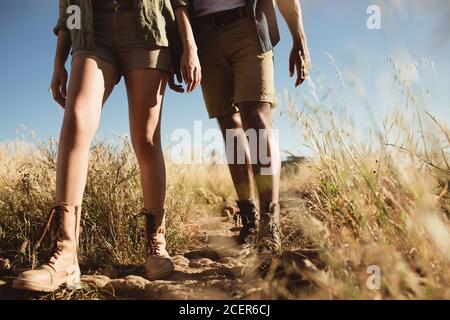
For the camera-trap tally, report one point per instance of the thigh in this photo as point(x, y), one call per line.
point(217, 73)
point(145, 89)
point(253, 69)
point(131, 50)
point(217, 87)
point(256, 115)
point(133, 59)
point(254, 78)
point(91, 82)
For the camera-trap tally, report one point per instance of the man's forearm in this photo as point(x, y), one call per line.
point(63, 47)
point(292, 13)
point(185, 28)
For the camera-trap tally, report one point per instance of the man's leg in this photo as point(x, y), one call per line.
point(257, 117)
point(254, 93)
point(218, 92)
point(241, 173)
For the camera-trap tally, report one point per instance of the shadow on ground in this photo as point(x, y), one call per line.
point(217, 270)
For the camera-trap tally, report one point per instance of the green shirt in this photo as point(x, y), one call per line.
point(155, 17)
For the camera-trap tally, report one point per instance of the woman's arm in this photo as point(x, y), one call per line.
point(190, 64)
point(63, 46)
point(59, 79)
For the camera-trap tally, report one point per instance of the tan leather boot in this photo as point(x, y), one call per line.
point(62, 267)
point(158, 263)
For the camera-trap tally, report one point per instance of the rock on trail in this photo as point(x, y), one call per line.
point(215, 270)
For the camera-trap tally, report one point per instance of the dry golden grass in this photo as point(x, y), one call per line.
point(378, 201)
point(113, 196)
point(382, 200)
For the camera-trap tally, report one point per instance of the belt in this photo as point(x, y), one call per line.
point(223, 18)
point(116, 6)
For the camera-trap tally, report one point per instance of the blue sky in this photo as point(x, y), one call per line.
point(411, 31)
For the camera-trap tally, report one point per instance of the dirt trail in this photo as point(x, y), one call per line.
point(214, 270)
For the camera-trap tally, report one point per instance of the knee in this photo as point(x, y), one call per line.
point(256, 116)
point(145, 143)
point(230, 122)
point(80, 124)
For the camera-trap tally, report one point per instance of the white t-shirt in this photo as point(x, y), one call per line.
point(204, 7)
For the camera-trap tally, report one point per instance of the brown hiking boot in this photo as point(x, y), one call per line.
point(158, 263)
point(62, 266)
point(269, 236)
point(248, 213)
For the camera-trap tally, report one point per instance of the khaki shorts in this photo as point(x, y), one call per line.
point(234, 68)
point(118, 41)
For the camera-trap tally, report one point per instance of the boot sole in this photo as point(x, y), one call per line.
point(32, 286)
point(72, 282)
point(161, 274)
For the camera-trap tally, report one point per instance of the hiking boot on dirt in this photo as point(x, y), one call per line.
point(158, 263)
point(269, 236)
point(248, 214)
point(62, 266)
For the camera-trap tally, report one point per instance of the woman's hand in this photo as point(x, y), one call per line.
point(59, 84)
point(191, 69)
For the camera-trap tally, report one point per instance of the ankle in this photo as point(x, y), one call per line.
point(66, 206)
point(270, 207)
point(154, 211)
point(155, 221)
point(248, 205)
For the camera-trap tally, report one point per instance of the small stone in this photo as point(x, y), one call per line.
point(5, 264)
point(229, 261)
point(163, 290)
point(180, 261)
point(201, 263)
point(128, 285)
point(204, 253)
point(97, 280)
point(233, 252)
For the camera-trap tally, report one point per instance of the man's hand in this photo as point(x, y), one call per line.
point(191, 72)
point(299, 59)
point(300, 62)
point(59, 84)
point(191, 69)
point(189, 64)
point(176, 86)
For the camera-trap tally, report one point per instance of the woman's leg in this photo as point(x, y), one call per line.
point(91, 82)
point(145, 96)
point(145, 90)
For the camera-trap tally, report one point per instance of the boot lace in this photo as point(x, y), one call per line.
point(151, 232)
point(248, 228)
point(53, 222)
point(152, 247)
point(271, 234)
